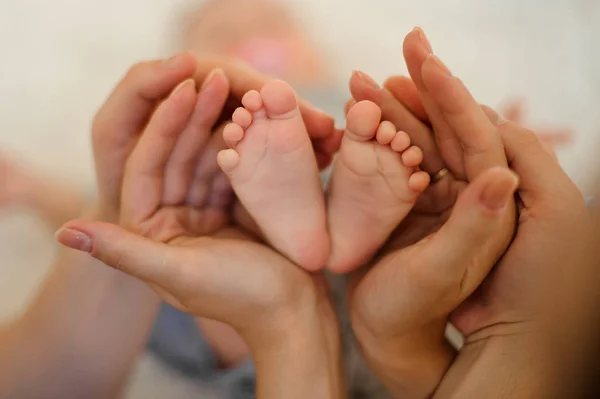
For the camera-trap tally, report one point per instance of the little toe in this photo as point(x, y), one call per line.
point(412, 157)
point(228, 160)
point(400, 142)
point(419, 181)
point(242, 117)
point(280, 100)
point(386, 133)
point(362, 121)
point(232, 134)
point(252, 101)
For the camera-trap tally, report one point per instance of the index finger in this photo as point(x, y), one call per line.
point(480, 139)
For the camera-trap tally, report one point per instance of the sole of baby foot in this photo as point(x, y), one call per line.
point(272, 168)
point(375, 183)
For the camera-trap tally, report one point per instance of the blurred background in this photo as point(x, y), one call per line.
point(60, 60)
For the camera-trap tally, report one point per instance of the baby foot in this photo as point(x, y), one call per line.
point(375, 183)
point(272, 168)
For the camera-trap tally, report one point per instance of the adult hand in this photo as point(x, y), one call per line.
point(494, 310)
point(522, 323)
point(119, 123)
point(468, 217)
point(177, 238)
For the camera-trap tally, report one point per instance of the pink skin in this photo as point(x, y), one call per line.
point(375, 184)
point(273, 170)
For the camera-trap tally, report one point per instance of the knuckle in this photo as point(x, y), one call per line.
point(117, 261)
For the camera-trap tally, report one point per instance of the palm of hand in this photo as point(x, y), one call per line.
point(532, 269)
point(212, 249)
point(176, 222)
point(403, 254)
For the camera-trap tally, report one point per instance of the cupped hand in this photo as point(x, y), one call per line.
point(460, 227)
point(176, 231)
point(453, 255)
point(120, 121)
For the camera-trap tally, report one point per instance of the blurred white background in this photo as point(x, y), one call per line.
point(61, 58)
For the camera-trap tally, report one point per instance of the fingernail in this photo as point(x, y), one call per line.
point(498, 193)
point(181, 85)
point(440, 64)
point(367, 79)
point(74, 239)
point(174, 62)
point(424, 41)
point(211, 76)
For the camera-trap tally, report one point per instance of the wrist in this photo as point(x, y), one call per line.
point(410, 365)
point(299, 356)
point(523, 365)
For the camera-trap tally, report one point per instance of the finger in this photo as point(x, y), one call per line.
point(416, 50)
point(349, 104)
point(465, 249)
point(244, 78)
point(125, 113)
point(406, 92)
point(206, 169)
point(363, 87)
point(195, 136)
point(542, 178)
point(478, 136)
point(326, 148)
point(147, 260)
point(143, 184)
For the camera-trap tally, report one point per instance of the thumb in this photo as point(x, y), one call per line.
point(469, 244)
point(147, 260)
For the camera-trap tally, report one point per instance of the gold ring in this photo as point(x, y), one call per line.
point(436, 177)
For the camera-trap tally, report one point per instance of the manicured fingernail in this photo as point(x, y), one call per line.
point(185, 83)
point(498, 193)
point(443, 68)
point(74, 239)
point(211, 76)
point(174, 62)
point(424, 41)
point(367, 79)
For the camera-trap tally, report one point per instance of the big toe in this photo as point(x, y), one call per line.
point(279, 99)
point(362, 120)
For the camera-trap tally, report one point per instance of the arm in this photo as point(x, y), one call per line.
point(409, 366)
point(512, 366)
point(302, 361)
point(81, 335)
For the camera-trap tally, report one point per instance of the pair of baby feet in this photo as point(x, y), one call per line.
point(272, 168)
